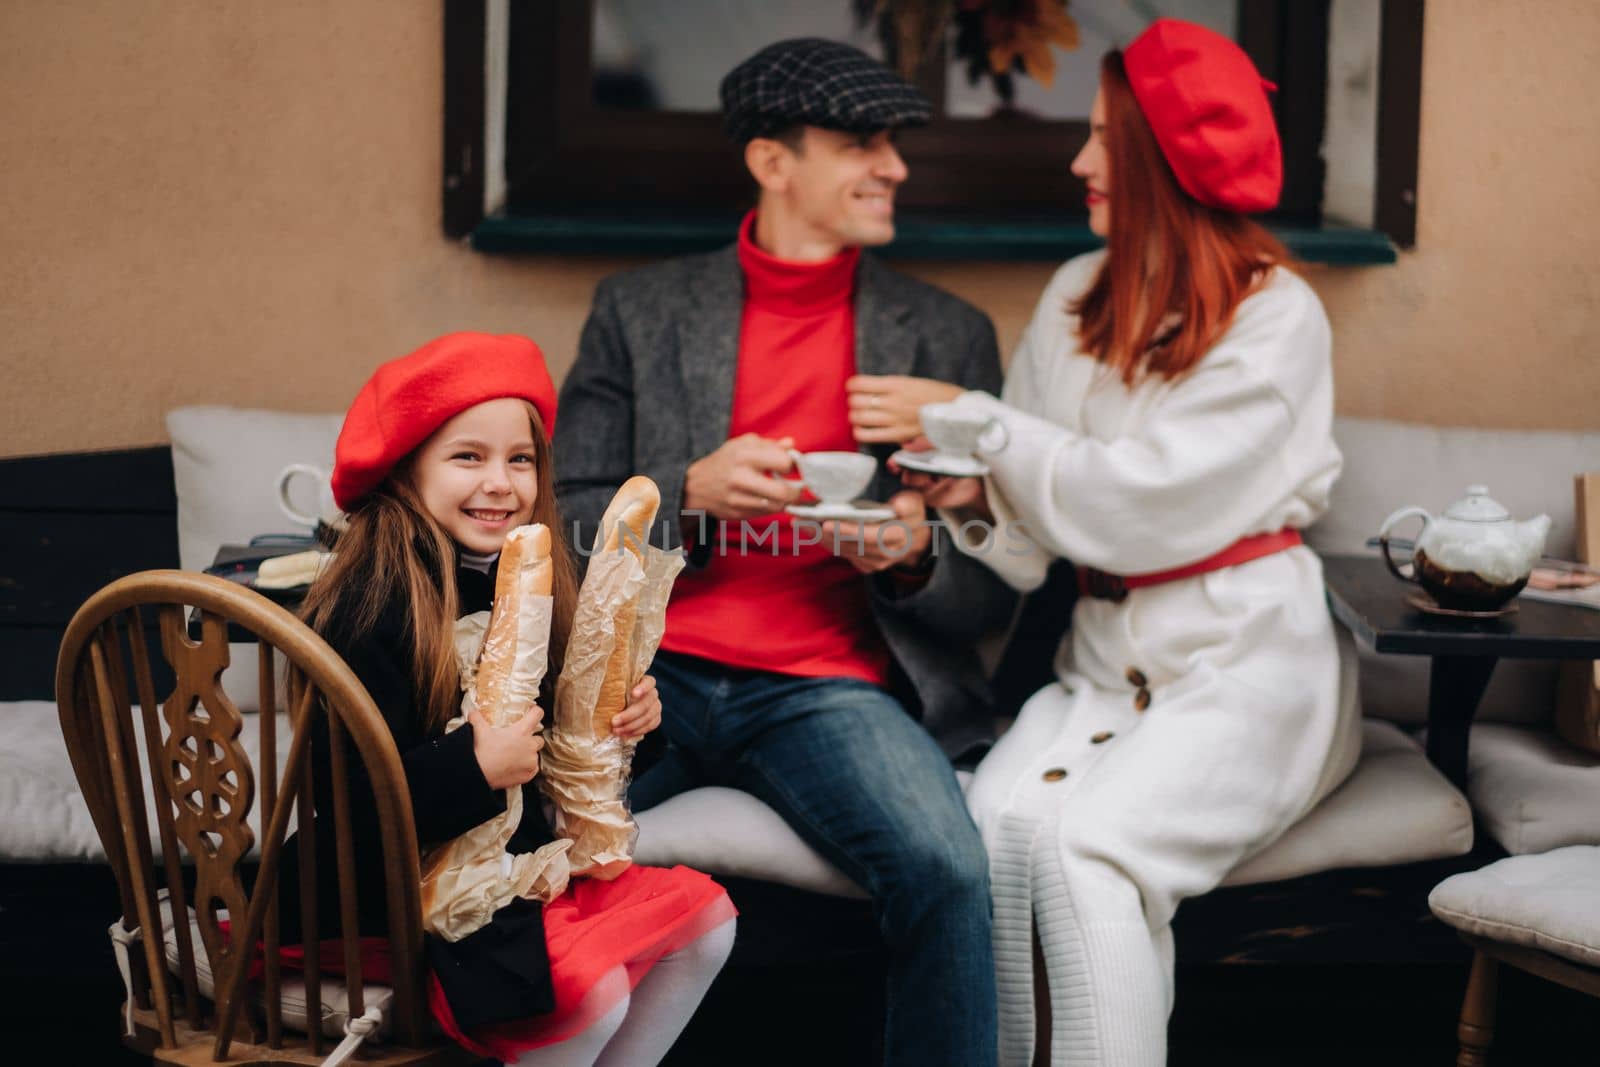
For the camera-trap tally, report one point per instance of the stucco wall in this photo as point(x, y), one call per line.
point(238, 202)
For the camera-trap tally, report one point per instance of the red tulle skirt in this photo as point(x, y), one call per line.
point(602, 938)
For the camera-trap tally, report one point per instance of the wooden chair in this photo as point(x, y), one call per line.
point(1534, 912)
point(204, 786)
point(1475, 1031)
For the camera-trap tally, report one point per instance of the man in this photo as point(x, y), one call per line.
point(796, 654)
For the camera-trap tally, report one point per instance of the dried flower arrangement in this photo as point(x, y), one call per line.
point(997, 39)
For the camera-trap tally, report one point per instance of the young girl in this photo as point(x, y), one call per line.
point(1167, 428)
point(443, 453)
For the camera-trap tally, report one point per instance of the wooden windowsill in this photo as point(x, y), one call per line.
point(1043, 241)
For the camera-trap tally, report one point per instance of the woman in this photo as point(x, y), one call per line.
point(1167, 428)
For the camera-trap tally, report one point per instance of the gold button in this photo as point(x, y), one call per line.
point(1101, 738)
point(1141, 700)
point(1054, 774)
point(1136, 678)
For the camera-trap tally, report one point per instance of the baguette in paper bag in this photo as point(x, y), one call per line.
point(465, 881)
point(626, 528)
point(617, 626)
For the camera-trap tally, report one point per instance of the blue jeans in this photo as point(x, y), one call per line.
point(866, 787)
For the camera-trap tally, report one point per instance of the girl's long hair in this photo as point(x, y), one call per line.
point(1175, 269)
point(393, 552)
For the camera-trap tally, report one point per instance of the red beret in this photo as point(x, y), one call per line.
point(1208, 107)
point(408, 398)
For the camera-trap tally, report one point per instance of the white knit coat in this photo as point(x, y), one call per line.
point(1099, 817)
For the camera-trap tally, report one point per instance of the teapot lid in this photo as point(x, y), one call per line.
point(1477, 506)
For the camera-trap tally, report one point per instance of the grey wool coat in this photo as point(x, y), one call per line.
point(652, 391)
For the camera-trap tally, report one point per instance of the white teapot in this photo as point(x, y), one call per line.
point(1475, 556)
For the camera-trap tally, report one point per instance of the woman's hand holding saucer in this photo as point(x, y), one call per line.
point(883, 407)
point(942, 491)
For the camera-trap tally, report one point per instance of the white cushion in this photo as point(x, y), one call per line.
point(1545, 901)
point(1533, 791)
point(42, 813)
point(1391, 464)
point(225, 467)
point(334, 994)
point(1422, 816)
point(1394, 808)
point(43, 816)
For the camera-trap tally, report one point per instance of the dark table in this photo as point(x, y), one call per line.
point(1370, 601)
point(238, 563)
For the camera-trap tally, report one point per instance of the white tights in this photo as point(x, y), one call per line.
point(642, 1027)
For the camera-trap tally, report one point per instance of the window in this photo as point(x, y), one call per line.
point(610, 109)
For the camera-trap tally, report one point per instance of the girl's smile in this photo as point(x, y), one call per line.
point(476, 474)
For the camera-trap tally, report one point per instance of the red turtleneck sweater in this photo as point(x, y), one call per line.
point(765, 602)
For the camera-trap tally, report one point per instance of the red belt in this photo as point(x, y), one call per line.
point(1103, 586)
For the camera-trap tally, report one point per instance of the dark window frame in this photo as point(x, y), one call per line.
point(578, 160)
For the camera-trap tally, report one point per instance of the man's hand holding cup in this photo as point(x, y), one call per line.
point(740, 479)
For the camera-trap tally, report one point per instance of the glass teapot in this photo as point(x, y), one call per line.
point(1473, 557)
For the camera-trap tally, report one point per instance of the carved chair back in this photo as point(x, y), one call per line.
point(195, 766)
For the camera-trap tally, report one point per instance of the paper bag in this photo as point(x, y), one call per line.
point(465, 881)
point(585, 775)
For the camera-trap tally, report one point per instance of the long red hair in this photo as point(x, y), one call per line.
point(1175, 269)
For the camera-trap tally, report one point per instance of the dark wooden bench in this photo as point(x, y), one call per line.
point(1347, 962)
point(69, 524)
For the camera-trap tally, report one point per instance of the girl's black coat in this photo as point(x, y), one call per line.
point(502, 971)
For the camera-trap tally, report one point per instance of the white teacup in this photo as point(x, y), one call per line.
point(326, 514)
point(955, 430)
point(835, 477)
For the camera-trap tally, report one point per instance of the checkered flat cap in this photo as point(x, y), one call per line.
point(814, 82)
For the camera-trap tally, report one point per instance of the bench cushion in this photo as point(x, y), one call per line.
point(43, 816)
point(335, 995)
point(225, 466)
point(42, 813)
point(1533, 791)
point(1545, 902)
point(1394, 808)
point(1393, 787)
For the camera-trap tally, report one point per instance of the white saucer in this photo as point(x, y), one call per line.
point(940, 463)
point(857, 511)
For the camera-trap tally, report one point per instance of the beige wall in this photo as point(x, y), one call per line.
point(236, 202)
